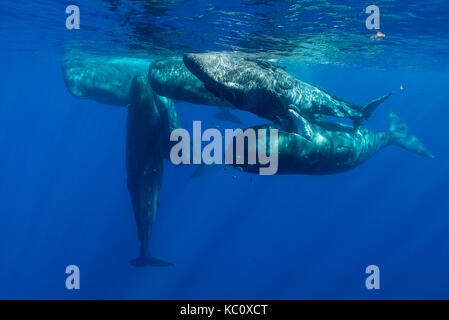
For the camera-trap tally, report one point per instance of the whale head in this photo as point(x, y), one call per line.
point(205, 65)
point(220, 74)
point(245, 81)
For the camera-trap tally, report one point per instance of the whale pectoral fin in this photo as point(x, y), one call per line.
point(300, 125)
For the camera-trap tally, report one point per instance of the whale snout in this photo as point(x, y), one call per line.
point(193, 62)
point(206, 66)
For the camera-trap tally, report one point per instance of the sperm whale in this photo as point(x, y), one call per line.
point(265, 89)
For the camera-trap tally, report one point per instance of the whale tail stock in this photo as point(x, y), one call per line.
point(144, 191)
point(145, 226)
point(368, 109)
point(399, 135)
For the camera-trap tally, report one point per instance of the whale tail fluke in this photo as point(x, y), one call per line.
point(400, 136)
point(149, 261)
point(368, 109)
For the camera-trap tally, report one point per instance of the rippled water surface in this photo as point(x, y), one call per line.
point(310, 30)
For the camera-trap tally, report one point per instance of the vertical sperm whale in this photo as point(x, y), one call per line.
point(145, 129)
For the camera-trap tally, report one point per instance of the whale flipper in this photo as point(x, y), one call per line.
point(300, 125)
point(399, 135)
point(368, 109)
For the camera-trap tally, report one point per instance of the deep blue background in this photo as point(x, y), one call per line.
point(63, 200)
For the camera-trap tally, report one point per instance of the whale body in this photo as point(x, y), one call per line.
point(150, 119)
point(267, 90)
point(330, 147)
point(149, 123)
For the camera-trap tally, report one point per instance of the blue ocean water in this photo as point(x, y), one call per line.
point(63, 188)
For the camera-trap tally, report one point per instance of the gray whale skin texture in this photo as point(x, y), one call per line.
point(170, 78)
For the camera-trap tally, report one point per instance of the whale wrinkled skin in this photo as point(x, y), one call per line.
point(170, 78)
point(267, 90)
point(331, 147)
